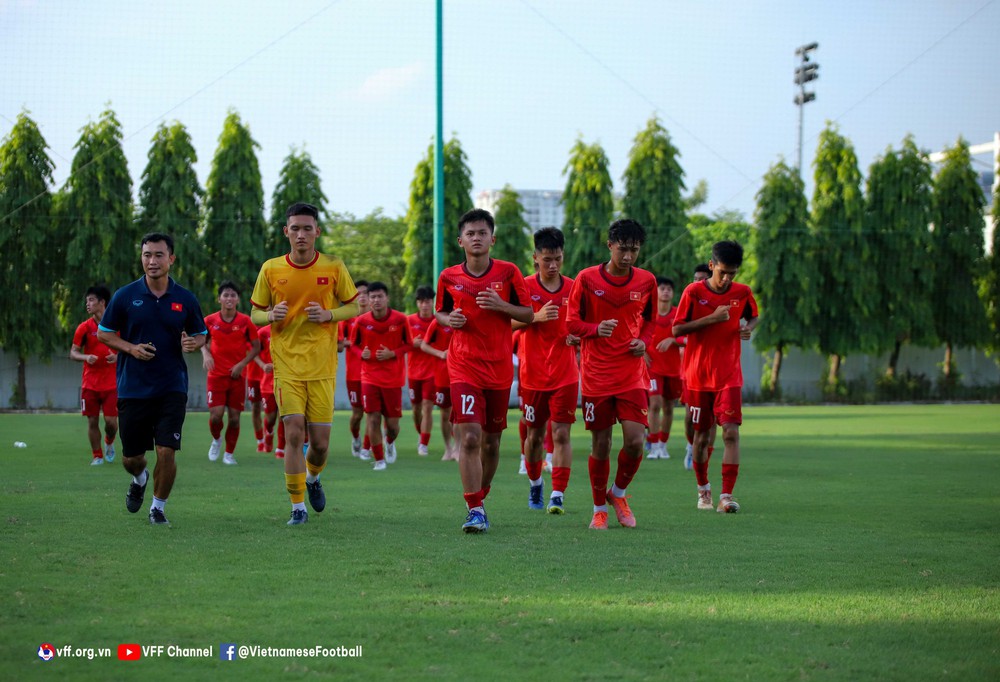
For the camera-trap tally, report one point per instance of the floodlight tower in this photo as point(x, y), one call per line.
point(806, 71)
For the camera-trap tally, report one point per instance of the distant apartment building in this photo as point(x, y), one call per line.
point(542, 207)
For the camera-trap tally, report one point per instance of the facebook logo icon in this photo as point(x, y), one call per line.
point(227, 652)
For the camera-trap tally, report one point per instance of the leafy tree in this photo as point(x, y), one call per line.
point(28, 237)
point(957, 240)
point(846, 283)
point(299, 181)
point(95, 212)
point(991, 282)
point(697, 197)
point(234, 208)
point(897, 225)
point(354, 240)
point(786, 280)
point(170, 201)
point(513, 233)
point(705, 231)
point(588, 206)
point(654, 181)
point(418, 245)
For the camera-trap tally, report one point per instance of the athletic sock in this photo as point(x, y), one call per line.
point(729, 474)
point(96, 453)
point(534, 469)
point(486, 491)
point(701, 472)
point(157, 504)
point(232, 435)
point(296, 486)
point(258, 434)
point(627, 466)
point(560, 479)
point(109, 441)
point(599, 471)
point(313, 471)
point(215, 428)
point(356, 431)
point(367, 445)
point(379, 452)
point(298, 506)
point(141, 478)
point(535, 482)
point(616, 491)
point(425, 438)
point(474, 500)
point(664, 435)
point(601, 508)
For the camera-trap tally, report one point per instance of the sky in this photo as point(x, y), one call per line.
point(352, 81)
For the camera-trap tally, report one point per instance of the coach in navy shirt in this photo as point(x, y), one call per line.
point(152, 322)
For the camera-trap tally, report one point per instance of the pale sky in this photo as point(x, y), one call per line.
point(353, 81)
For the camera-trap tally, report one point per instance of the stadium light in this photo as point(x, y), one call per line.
point(806, 71)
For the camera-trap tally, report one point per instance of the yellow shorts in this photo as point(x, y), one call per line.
point(314, 399)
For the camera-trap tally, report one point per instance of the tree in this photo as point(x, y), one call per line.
point(28, 236)
point(95, 212)
point(354, 240)
point(897, 226)
point(786, 279)
point(957, 247)
point(846, 283)
point(588, 206)
point(299, 181)
point(705, 231)
point(418, 245)
point(991, 282)
point(513, 233)
point(654, 181)
point(170, 202)
point(234, 208)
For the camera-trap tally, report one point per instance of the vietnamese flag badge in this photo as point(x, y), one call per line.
point(323, 280)
point(177, 307)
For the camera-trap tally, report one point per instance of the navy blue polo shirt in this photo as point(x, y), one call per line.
point(140, 317)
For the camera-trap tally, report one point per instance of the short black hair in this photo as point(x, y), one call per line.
point(377, 286)
point(158, 237)
point(728, 252)
point(302, 208)
point(101, 292)
point(626, 231)
point(549, 238)
point(474, 216)
point(360, 283)
point(702, 267)
point(665, 280)
point(229, 284)
point(424, 293)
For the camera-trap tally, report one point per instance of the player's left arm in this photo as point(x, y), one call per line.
point(752, 317)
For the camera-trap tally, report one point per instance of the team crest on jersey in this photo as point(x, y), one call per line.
point(393, 327)
point(497, 286)
point(282, 281)
point(565, 300)
point(236, 327)
point(635, 295)
point(137, 302)
point(177, 307)
point(703, 301)
point(458, 287)
point(599, 292)
point(322, 280)
point(536, 297)
point(733, 303)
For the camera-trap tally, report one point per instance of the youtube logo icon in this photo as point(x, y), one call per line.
point(129, 652)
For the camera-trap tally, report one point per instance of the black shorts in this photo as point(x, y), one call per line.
point(144, 423)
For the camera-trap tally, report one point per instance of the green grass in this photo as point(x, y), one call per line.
point(867, 549)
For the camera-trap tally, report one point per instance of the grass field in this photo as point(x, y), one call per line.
point(866, 549)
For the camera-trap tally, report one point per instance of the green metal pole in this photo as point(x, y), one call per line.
point(439, 154)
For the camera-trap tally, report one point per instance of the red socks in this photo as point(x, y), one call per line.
point(549, 443)
point(356, 430)
point(425, 438)
point(474, 499)
point(367, 445)
point(215, 429)
point(599, 471)
point(729, 474)
point(560, 479)
point(232, 435)
point(534, 469)
point(627, 466)
point(379, 452)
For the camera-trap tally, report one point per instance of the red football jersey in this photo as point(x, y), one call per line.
point(666, 364)
point(229, 340)
point(393, 333)
point(352, 355)
point(99, 376)
point(480, 352)
point(712, 354)
point(547, 363)
point(419, 366)
point(439, 338)
point(266, 378)
point(608, 365)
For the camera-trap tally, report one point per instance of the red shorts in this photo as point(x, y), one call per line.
point(226, 392)
point(354, 393)
point(268, 404)
point(602, 412)
point(92, 402)
point(709, 407)
point(385, 401)
point(421, 390)
point(442, 396)
point(484, 406)
point(558, 405)
point(669, 387)
point(253, 391)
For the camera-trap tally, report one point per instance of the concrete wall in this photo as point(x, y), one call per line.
point(56, 384)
